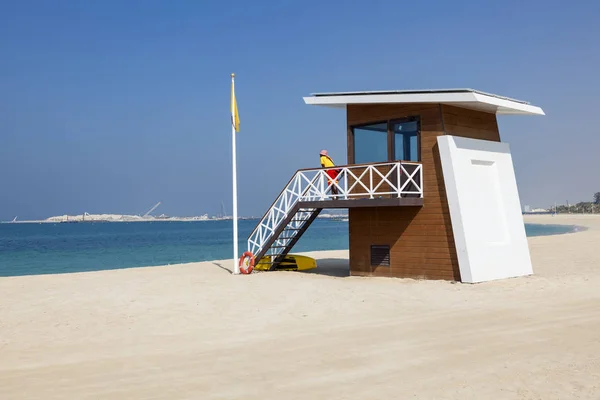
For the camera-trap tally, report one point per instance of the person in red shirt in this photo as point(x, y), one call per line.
point(332, 173)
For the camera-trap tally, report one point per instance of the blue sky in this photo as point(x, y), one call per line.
point(111, 106)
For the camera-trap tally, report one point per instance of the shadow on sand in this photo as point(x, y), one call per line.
point(338, 267)
point(223, 268)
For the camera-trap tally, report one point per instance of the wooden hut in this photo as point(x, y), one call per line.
point(429, 187)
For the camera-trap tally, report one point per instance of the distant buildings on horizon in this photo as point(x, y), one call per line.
point(528, 209)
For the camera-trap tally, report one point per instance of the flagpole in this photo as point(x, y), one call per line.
point(236, 268)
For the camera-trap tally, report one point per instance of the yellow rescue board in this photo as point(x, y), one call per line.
point(291, 262)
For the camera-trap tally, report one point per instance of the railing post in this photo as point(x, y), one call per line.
point(322, 194)
point(370, 181)
point(398, 172)
point(345, 178)
point(297, 186)
point(421, 179)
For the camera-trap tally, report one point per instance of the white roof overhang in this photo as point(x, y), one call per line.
point(465, 98)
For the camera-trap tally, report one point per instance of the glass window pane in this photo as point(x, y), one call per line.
point(399, 147)
point(406, 146)
point(414, 148)
point(370, 143)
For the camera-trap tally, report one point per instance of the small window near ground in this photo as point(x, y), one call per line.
point(380, 256)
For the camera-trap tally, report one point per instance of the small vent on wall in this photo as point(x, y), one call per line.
point(482, 162)
point(380, 256)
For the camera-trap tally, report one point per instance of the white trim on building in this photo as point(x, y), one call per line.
point(465, 98)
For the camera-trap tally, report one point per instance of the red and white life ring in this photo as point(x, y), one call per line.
point(250, 268)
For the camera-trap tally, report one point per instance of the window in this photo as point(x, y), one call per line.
point(371, 143)
point(406, 146)
point(387, 141)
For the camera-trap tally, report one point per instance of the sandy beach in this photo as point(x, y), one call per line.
point(195, 331)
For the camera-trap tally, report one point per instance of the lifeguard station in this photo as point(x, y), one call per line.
point(430, 189)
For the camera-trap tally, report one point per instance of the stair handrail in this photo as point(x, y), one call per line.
point(293, 180)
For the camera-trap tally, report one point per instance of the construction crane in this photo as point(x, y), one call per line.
point(152, 209)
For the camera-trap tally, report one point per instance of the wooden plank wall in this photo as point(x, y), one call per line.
point(420, 238)
point(470, 123)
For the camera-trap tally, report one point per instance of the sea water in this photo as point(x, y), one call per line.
point(27, 249)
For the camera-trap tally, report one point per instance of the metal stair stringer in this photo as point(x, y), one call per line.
point(287, 234)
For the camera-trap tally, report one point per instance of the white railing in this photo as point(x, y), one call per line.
point(354, 181)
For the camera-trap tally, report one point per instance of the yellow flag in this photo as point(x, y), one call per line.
point(235, 118)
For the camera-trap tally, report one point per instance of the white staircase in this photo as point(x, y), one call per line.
point(309, 191)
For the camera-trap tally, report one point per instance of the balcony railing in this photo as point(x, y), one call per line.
point(395, 179)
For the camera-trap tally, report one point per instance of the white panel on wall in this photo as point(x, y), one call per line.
point(485, 210)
